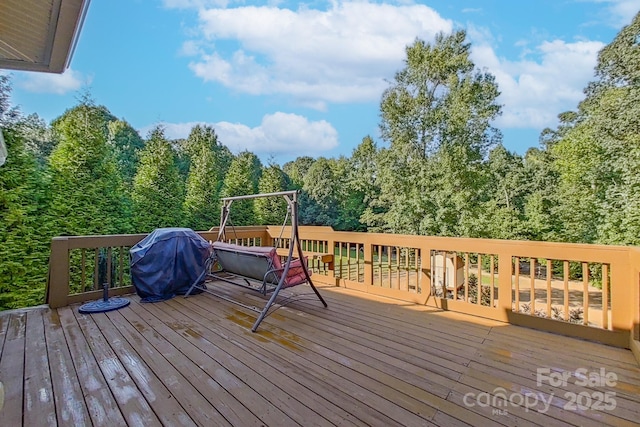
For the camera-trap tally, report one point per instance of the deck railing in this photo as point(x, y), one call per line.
point(586, 291)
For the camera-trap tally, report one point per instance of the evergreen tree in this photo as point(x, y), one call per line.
point(8, 113)
point(242, 179)
point(38, 137)
point(87, 191)
point(24, 231)
point(350, 198)
point(125, 143)
point(363, 182)
point(271, 210)
point(158, 192)
point(206, 173)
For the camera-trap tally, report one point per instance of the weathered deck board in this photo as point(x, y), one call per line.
point(39, 407)
point(197, 407)
point(12, 369)
point(160, 399)
point(131, 401)
point(364, 360)
point(102, 406)
point(320, 382)
point(196, 366)
point(239, 380)
point(375, 410)
point(71, 408)
point(396, 384)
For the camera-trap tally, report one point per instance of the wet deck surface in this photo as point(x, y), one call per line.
point(362, 361)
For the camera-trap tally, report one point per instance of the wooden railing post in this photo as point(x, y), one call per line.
point(58, 285)
point(622, 297)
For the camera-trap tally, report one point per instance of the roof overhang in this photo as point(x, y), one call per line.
point(39, 35)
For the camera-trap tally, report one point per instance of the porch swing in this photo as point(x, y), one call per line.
point(245, 265)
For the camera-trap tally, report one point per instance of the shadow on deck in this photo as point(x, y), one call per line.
point(363, 361)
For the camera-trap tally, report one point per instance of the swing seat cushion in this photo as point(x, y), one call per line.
point(258, 262)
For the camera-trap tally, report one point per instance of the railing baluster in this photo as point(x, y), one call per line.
point(549, 275)
point(532, 274)
point(455, 275)
point(479, 296)
point(517, 285)
point(405, 271)
point(109, 251)
point(466, 276)
point(121, 269)
point(349, 245)
point(566, 289)
point(96, 285)
point(83, 277)
point(389, 256)
point(380, 265)
point(444, 273)
point(585, 293)
point(605, 296)
point(493, 281)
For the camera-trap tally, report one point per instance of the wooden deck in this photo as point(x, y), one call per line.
point(362, 361)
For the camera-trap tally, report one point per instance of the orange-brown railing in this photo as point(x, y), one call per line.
point(587, 291)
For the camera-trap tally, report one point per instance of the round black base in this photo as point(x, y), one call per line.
point(101, 306)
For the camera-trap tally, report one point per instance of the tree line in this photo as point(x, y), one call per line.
point(439, 168)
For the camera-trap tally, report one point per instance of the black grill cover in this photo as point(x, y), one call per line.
point(167, 262)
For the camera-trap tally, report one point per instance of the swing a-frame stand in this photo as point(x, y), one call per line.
point(258, 263)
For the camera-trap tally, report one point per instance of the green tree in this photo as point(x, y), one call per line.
point(208, 166)
point(8, 113)
point(363, 182)
point(271, 210)
point(297, 169)
point(581, 185)
point(25, 231)
point(321, 187)
point(596, 154)
point(436, 117)
point(242, 179)
point(349, 196)
point(125, 143)
point(438, 99)
point(612, 107)
point(87, 191)
point(541, 200)
point(38, 137)
point(506, 190)
point(158, 192)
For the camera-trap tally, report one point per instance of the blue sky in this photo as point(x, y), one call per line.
point(285, 79)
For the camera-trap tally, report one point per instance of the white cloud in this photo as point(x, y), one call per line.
point(539, 86)
point(58, 84)
point(345, 53)
point(278, 133)
point(620, 12)
point(340, 55)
